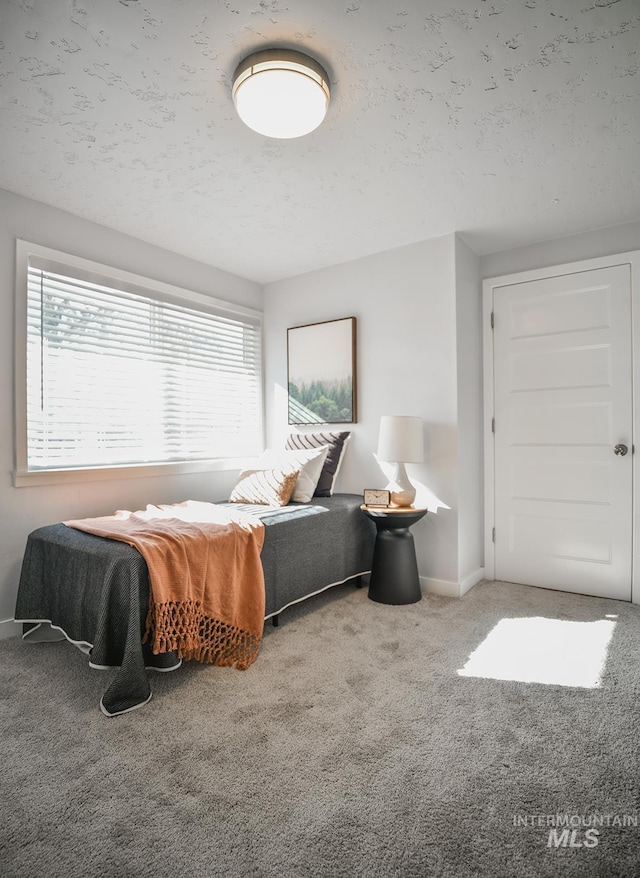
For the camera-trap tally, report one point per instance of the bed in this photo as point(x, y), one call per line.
point(96, 590)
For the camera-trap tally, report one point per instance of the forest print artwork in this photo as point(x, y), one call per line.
point(321, 372)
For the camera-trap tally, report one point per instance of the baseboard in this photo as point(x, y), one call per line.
point(473, 579)
point(9, 628)
point(451, 589)
point(440, 586)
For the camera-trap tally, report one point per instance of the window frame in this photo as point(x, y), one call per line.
point(22, 476)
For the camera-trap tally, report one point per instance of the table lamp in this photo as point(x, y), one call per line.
point(400, 442)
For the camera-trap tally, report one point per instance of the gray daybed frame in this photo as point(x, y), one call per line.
point(96, 590)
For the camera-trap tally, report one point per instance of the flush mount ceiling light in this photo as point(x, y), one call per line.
point(281, 93)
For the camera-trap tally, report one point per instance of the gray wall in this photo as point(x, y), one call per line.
point(419, 352)
point(409, 352)
point(470, 412)
point(601, 242)
point(24, 509)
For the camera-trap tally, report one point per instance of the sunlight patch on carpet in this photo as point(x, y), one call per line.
point(538, 650)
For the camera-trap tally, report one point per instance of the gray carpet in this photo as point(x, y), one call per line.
point(352, 747)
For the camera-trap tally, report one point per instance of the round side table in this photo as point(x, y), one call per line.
point(394, 570)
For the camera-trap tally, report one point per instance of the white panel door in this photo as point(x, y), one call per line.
point(562, 375)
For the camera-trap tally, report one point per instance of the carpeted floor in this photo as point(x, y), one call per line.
point(352, 747)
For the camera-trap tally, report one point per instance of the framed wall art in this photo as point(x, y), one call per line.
point(321, 372)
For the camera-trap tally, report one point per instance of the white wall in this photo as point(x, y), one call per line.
point(419, 353)
point(470, 414)
point(589, 245)
point(405, 304)
point(24, 509)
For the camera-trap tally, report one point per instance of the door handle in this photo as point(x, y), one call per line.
point(620, 449)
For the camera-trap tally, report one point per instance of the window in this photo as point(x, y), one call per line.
point(123, 371)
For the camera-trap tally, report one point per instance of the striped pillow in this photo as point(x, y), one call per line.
point(267, 487)
point(336, 443)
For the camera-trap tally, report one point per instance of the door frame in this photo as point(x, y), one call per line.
point(632, 259)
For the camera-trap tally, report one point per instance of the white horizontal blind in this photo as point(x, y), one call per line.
point(116, 377)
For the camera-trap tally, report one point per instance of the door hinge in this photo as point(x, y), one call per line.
point(493, 535)
point(493, 425)
point(493, 320)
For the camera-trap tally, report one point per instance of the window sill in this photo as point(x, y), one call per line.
point(25, 478)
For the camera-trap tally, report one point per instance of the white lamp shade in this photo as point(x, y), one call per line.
point(281, 93)
point(400, 439)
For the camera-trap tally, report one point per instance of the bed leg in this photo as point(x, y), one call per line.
point(275, 620)
point(359, 581)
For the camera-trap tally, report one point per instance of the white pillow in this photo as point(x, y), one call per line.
point(270, 487)
point(308, 461)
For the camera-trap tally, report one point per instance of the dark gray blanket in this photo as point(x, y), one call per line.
point(97, 590)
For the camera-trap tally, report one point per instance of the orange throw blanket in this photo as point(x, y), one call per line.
point(207, 595)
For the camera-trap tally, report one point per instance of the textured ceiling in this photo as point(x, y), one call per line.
point(510, 121)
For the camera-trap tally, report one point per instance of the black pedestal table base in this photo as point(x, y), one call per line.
point(394, 570)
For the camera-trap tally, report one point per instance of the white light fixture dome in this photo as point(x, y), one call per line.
point(281, 93)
